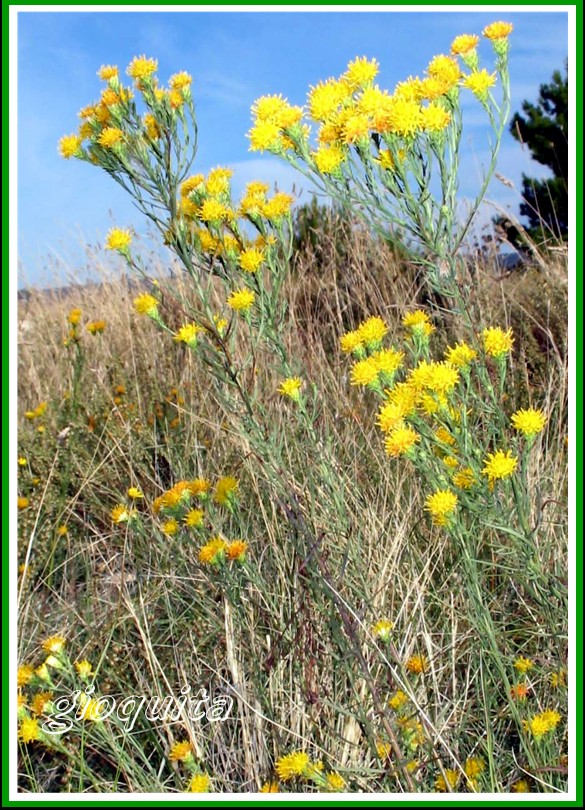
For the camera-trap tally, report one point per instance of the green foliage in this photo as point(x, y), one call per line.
point(544, 129)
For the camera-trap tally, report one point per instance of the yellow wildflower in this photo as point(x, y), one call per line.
point(499, 465)
point(180, 751)
point(236, 550)
point(69, 146)
point(241, 300)
point(110, 137)
point(417, 664)
point(200, 783)
point(118, 239)
point(29, 730)
point(498, 30)
point(213, 551)
point(464, 43)
point(441, 504)
point(141, 68)
point(452, 779)
point(291, 387)
point(460, 355)
point(251, 259)
point(360, 72)
point(364, 372)
point(146, 304)
point(107, 72)
point(401, 440)
point(522, 664)
point(53, 644)
point(84, 668)
point(226, 490)
point(292, 765)
point(398, 700)
point(529, 421)
point(543, 723)
point(382, 629)
point(194, 518)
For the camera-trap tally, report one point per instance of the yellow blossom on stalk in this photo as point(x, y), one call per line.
point(236, 550)
point(460, 355)
point(22, 502)
point(292, 765)
point(382, 629)
point(43, 673)
point(121, 514)
point(388, 361)
point(200, 783)
point(328, 159)
point(40, 702)
point(213, 211)
point(351, 342)
point(22, 462)
point(474, 767)
point(291, 388)
point(386, 160)
point(521, 786)
point(24, 674)
point(209, 243)
point(558, 679)
point(84, 669)
point(270, 787)
point(464, 43)
point(218, 180)
point(452, 779)
point(529, 421)
point(118, 239)
point(278, 206)
point(443, 435)
point(356, 128)
point(522, 664)
point(335, 783)
point(371, 100)
point(479, 82)
point(180, 81)
point(141, 68)
point(383, 749)
point(110, 137)
point(199, 487)
point(188, 334)
point(433, 88)
point(265, 135)
point(498, 30)
point(241, 300)
point(194, 183)
point(213, 551)
point(170, 527)
point(325, 98)
point(69, 146)
point(417, 664)
point(74, 317)
point(435, 118)
point(146, 304)
point(398, 700)
point(28, 730)
point(496, 342)
point(464, 479)
point(288, 116)
point(403, 117)
point(519, 691)
point(400, 441)
point(226, 490)
point(266, 108)
point(151, 126)
point(441, 377)
point(92, 710)
point(445, 69)
point(499, 465)
point(543, 723)
point(251, 259)
point(53, 644)
point(180, 751)
point(441, 504)
point(360, 72)
point(390, 415)
point(194, 518)
point(107, 72)
point(364, 372)
point(135, 493)
point(418, 322)
point(96, 327)
point(372, 331)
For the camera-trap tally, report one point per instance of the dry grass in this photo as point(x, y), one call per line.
point(292, 639)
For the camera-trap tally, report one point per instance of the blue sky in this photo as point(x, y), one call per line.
point(234, 57)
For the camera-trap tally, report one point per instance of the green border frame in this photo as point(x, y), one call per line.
point(575, 387)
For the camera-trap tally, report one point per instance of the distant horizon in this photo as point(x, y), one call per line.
point(65, 205)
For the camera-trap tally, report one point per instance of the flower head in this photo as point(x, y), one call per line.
point(226, 490)
point(194, 518)
point(522, 664)
point(499, 465)
point(452, 779)
point(372, 332)
point(251, 259)
point(365, 372)
point(69, 146)
point(96, 327)
point(479, 82)
point(418, 322)
point(496, 342)
point(213, 552)
point(110, 137)
point(498, 30)
point(141, 68)
point(464, 43)
point(382, 629)
point(188, 334)
point(543, 723)
point(529, 421)
point(401, 440)
point(360, 72)
point(84, 669)
point(24, 674)
point(398, 700)
point(351, 343)
point(181, 751)
point(241, 300)
point(29, 730)
point(200, 783)
point(292, 765)
point(417, 664)
point(146, 304)
point(53, 644)
point(236, 550)
point(460, 355)
point(118, 239)
point(291, 388)
point(441, 504)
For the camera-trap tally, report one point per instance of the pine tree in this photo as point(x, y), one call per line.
point(543, 127)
